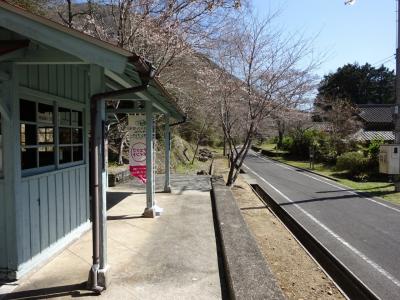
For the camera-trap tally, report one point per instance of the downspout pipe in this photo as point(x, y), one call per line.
point(94, 159)
point(184, 120)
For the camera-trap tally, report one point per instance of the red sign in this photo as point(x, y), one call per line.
point(137, 148)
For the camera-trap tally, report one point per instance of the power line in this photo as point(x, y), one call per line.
point(384, 60)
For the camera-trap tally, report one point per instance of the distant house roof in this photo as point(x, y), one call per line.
point(369, 135)
point(376, 113)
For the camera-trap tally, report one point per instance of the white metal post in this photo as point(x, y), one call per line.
point(149, 211)
point(167, 138)
point(101, 115)
point(397, 107)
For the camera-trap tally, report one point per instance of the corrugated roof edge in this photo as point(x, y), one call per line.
point(132, 57)
point(19, 10)
point(138, 61)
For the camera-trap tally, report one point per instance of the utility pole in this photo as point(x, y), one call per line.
point(396, 118)
point(396, 115)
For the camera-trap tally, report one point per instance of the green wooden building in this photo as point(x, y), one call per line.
point(54, 83)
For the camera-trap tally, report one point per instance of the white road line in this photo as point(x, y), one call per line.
point(331, 184)
point(333, 234)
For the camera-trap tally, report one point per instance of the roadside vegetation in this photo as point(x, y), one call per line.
point(356, 167)
point(188, 154)
point(324, 139)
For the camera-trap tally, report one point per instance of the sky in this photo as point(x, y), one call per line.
point(363, 32)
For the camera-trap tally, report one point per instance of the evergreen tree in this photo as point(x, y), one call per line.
point(359, 85)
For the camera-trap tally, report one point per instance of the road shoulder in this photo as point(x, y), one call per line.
point(295, 271)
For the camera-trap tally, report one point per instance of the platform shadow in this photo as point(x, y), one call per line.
point(113, 198)
point(252, 208)
point(73, 291)
point(123, 217)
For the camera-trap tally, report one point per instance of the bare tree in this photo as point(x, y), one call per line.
point(68, 11)
point(342, 119)
point(287, 118)
point(156, 29)
point(270, 72)
point(165, 32)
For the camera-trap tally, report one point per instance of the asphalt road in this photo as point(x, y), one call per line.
point(363, 233)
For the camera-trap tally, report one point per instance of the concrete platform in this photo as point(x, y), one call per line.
point(170, 257)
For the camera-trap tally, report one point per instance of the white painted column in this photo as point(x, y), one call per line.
point(167, 167)
point(149, 211)
point(101, 115)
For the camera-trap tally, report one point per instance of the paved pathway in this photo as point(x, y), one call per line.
point(171, 257)
point(363, 233)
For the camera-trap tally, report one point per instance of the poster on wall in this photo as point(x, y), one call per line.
point(137, 146)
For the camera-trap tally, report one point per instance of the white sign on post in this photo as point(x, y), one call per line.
point(137, 147)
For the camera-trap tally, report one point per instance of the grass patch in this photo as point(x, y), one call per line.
point(267, 146)
point(271, 147)
point(381, 189)
point(183, 168)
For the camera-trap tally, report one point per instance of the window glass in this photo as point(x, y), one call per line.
point(70, 136)
point(77, 136)
point(46, 156)
point(28, 158)
point(27, 111)
point(65, 135)
point(28, 135)
point(77, 153)
point(64, 116)
point(76, 118)
point(45, 135)
point(36, 134)
point(45, 113)
point(65, 155)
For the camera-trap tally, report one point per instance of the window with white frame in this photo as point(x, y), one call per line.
point(70, 136)
point(39, 130)
point(1, 149)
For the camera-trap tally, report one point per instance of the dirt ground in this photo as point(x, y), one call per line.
point(296, 272)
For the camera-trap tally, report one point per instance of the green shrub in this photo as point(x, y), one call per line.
point(373, 149)
point(299, 142)
point(273, 140)
point(287, 143)
point(355, 163)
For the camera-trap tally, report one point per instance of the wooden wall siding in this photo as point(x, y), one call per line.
point(3, 249)
point(67, 81)
point(55, 204)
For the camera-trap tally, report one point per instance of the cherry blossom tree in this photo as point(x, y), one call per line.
point(269, 72)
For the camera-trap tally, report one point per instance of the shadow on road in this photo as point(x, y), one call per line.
point(349, 190)
point(342, 197)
